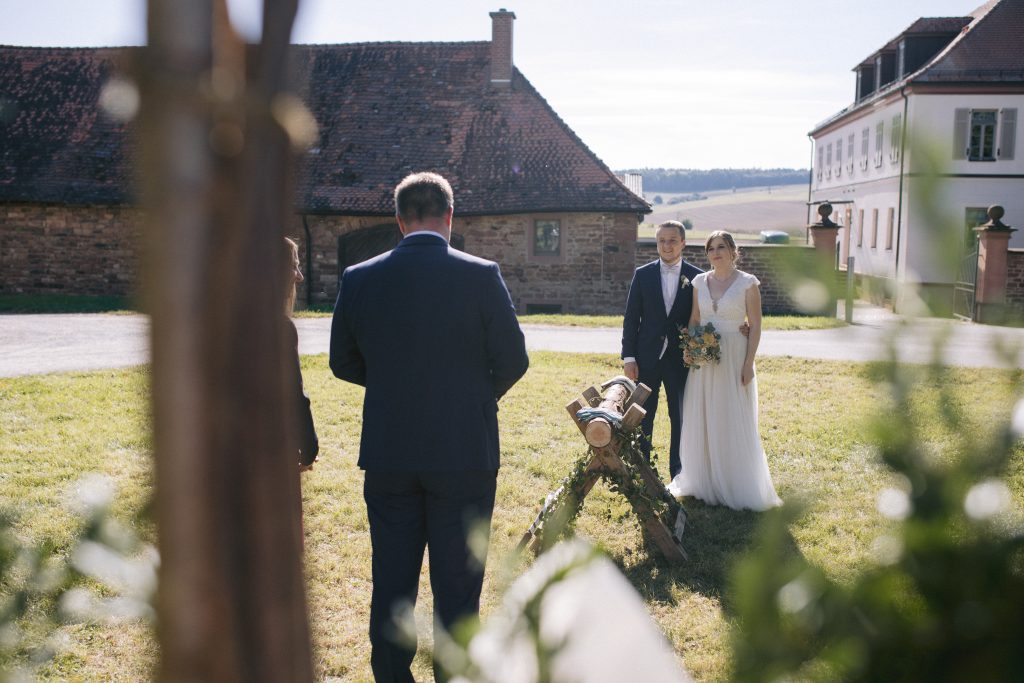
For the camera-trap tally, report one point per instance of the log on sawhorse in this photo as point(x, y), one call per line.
point(620, 410)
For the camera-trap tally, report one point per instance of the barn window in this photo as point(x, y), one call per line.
point(547, 237)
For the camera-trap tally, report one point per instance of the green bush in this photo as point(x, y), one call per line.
point(944, 600)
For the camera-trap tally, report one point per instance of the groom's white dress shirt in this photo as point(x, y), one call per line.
point(670, 283)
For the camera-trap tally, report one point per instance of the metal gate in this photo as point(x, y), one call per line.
point(966, 283)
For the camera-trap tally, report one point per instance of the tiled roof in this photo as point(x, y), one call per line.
point(923, 26)
point(991, 50)
point(55, 143)
point(384, 109)
point(937, 25)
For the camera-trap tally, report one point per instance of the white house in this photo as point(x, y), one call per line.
point(952, 84)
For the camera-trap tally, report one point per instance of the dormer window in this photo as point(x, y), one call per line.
point(901, 59)
point(865, 80)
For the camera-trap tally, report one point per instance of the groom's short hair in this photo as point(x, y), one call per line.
point(423, 195)
point(674, 224)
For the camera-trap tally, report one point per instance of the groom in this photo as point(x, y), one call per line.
point(660, 300)
point(431, 333)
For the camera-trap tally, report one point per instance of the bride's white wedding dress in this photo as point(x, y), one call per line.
point(723, 461)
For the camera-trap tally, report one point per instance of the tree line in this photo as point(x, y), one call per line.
point(697, 180)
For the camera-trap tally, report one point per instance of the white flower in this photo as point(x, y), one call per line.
point(683, 281)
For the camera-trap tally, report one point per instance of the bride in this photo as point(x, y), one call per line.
point(723, 461)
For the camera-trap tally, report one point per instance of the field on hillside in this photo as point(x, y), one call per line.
point(743, 211)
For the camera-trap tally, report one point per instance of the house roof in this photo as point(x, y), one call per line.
point(987, 50)
point(990, 50)
point(937, 25)
point(383, 110)
point(56, 145)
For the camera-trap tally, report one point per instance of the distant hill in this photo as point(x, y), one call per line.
point(694, 180)
point(745, 210)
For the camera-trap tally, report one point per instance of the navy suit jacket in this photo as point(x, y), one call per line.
point(645, 325)
point(431, 333)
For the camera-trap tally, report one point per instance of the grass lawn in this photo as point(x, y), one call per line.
point(63, 303)
point(46, 303)
point(770, 322)
point(55, 428)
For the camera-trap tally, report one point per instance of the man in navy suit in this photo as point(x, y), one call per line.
point(660, 300)
point(432, 334)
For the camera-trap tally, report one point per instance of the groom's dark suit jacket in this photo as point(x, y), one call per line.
point(645, 329)
point(645, 325)
point(431, 333)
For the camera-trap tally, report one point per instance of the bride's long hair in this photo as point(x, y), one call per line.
point(291, 263)
point(729, 241)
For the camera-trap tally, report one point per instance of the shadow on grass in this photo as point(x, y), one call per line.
point(715, 537)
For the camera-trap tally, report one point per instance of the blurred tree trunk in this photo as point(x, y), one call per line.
point(215, 185)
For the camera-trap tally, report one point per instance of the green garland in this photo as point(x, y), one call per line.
point(560, 509)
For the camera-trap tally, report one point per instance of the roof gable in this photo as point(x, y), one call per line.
point(384, 110)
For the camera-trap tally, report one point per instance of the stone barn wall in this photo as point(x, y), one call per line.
point(80, 250)
point(590, 275)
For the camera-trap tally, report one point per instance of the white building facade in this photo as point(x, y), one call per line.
point(929, 143)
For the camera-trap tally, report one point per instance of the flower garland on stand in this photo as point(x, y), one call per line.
point(560, 509)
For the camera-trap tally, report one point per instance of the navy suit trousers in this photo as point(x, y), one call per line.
point(670, 372)
point(407, 512)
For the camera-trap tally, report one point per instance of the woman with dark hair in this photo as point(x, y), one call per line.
point(308, 444)
point(723, 460)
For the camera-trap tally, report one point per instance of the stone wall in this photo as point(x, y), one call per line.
point(776, 266)
point(81, 250)
point(590, 276)
point(92, 250)
point(1015, 279)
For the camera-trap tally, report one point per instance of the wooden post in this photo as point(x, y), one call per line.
point(215, 164)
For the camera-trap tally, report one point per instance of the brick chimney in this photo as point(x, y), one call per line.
point(501, 48)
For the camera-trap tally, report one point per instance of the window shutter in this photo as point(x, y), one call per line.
point(896, 138)
point(961, 121)
point(1007, 133)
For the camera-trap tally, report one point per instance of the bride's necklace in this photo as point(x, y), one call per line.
point(727, 282)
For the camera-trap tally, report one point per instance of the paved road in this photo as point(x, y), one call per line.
point(39, 344)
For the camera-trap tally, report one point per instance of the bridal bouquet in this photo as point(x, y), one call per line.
point(700, 344)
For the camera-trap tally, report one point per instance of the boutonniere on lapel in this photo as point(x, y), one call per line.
point(683, 281)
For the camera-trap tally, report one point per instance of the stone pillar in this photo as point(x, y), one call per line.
point(824, 234)
point(990, 291)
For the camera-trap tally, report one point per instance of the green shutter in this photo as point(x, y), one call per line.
point(1007, 133)
point(961, 121)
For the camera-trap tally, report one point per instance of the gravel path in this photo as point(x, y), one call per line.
point(45, 343)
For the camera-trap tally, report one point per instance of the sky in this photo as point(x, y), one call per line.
point(644, 83)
